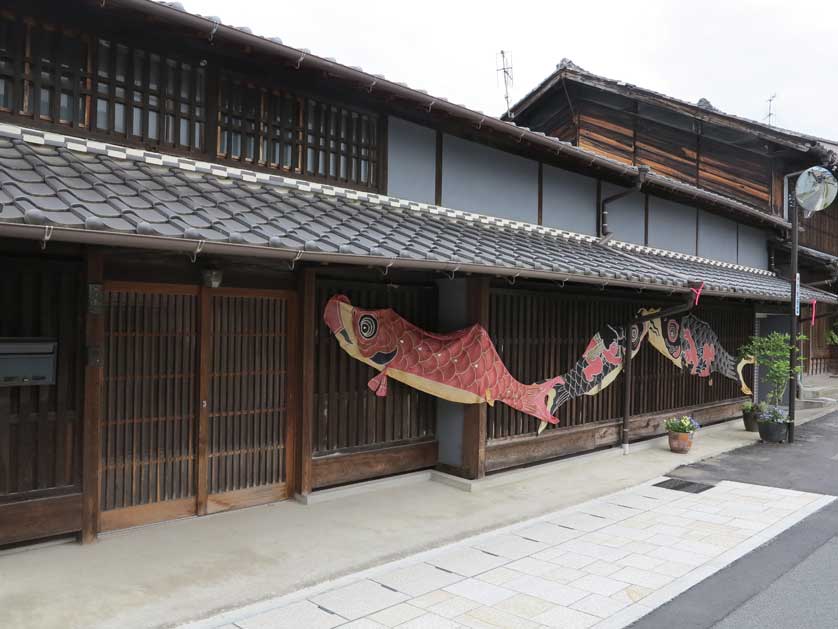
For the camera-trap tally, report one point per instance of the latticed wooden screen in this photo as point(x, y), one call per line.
point(348, 416)
point(248, 390)
point(148, 422)
point(542, 334)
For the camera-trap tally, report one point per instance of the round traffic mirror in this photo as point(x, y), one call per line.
point(815, 190)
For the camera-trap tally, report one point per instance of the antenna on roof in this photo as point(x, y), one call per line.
point(504, 67)
point(771, 114)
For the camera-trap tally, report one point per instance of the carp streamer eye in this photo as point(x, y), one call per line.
point(672, 331)
point(368, 326)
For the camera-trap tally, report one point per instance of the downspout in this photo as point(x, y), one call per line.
point(642, 171)
point(692, 300)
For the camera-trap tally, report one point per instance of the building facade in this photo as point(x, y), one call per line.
point(179, 200)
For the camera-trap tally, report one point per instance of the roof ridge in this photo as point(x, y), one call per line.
point(118, 151)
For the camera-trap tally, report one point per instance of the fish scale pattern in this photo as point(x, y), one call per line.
point(63, 181)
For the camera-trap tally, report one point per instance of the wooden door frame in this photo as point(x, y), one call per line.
point(213, 503)
point(203, 503)
point(156, 511)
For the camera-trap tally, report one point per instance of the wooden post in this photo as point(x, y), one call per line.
point(93, 380)
point(292, 428)
point(202, 406)
point(474, 416)
point(308, 320)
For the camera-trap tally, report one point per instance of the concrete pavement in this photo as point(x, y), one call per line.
point(167, 574)
point(789, 583)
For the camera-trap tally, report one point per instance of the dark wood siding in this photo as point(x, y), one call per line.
point(688, 156)
point(348, 416)
point(735, 173)
point(607, 132)
point(821, 357)
point(542, 334)
point(820, 231)
point(40, 426)
point(667, 151)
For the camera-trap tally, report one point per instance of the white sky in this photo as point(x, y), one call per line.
point(735, 53)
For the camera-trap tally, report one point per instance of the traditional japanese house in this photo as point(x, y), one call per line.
point(179, 199)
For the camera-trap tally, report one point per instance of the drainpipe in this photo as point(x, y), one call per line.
point(695, 288)
point(642, 171)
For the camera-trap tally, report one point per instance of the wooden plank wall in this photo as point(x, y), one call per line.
point(700, 161)
point(820, 356)
point(542, 334)
point(40, 426)
point(347, 416)
point(821, 231)
point(148, 423)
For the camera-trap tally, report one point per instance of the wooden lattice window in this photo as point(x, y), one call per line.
point(78, 80)
point(297, 134)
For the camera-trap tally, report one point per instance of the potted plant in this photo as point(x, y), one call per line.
point(773, 425)
point(750, 413)
point(772, 355)
point(681, 431)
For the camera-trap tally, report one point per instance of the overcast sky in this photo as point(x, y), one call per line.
point(735, 53)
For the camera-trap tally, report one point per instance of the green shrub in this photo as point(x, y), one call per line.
point(772, 355)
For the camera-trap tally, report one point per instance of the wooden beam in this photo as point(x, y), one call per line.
point(474, 415)
point(293, 396)
point(93, 381)
point(147, 514)
point(202, 405)
point(308, 320)
point(347, 468)
point(552, 444)
point(540, 193)
point(438, 180)
point(32, 519)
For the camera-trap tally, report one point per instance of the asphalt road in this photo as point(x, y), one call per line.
point(791, 582)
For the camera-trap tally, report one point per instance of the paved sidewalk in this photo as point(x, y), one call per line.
point(171, 573)
point(601, 564)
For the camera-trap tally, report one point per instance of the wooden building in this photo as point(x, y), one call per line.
point(174, 218)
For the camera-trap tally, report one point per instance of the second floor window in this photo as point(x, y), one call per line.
point(99, 85)
point(297, 134)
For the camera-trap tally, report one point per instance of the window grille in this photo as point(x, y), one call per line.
point(297, 134)
point(100, 85)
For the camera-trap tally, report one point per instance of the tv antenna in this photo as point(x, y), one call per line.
point(504, 68)
point(770, 116)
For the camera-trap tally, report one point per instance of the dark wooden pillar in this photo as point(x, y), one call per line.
point(204, 349)
point(93, 381)
point(474, 417)
point(309, 318)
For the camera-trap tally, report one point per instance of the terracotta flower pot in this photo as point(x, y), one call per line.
point(750, 419)
point(680, 442)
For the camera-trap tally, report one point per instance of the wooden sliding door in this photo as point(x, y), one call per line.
point(197, 400)
point(248, 396)
point(148, 431)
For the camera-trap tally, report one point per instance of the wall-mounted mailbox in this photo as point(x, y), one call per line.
point(27, 362)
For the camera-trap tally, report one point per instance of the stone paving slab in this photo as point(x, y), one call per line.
point(602, 564)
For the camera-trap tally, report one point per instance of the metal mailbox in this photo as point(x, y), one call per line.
point(27, 361)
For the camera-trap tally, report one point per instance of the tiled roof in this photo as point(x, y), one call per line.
point(84, 186)
point(722, 277)
point(479, 122)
